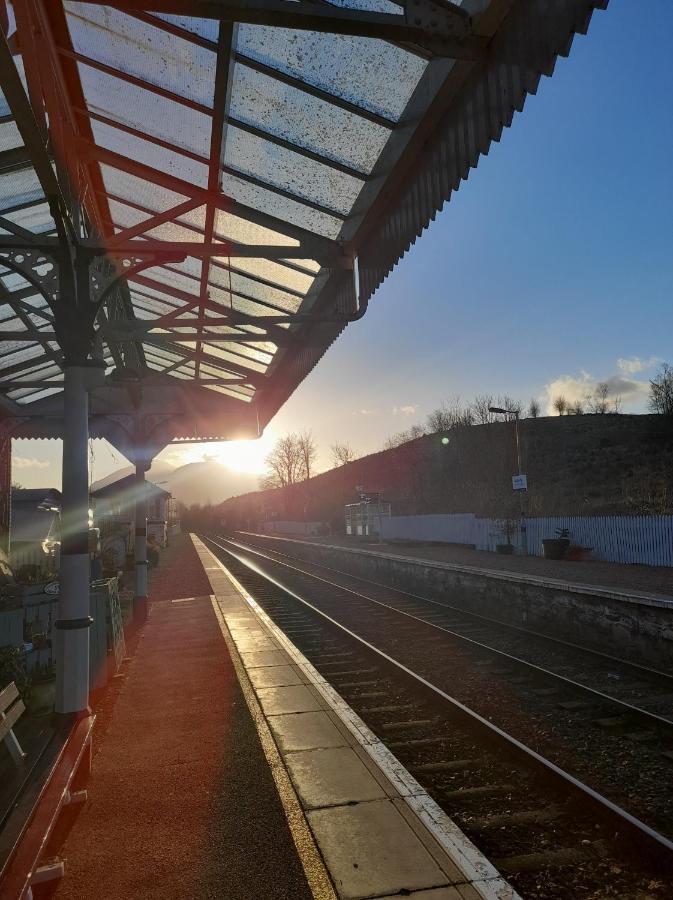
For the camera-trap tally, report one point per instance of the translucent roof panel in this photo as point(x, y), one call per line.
point(142, 50)
point(307, 121)
point(289, 170)
point(144, 110)
point(386, 75)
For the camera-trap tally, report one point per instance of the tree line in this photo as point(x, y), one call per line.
point(292, 459)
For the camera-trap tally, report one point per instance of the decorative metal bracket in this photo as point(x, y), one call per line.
point(41, 269)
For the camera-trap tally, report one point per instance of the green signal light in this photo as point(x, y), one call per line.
point(445, 441)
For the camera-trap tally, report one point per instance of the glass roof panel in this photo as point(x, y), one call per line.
point(206, 28)
point(9, 136)
point(33, 218)
point(275, 272)
point(29, 397)
point(145, 193)
point(233, 228)
point(230, 392)
point(149, 154)
point(387, 75)
point(290, 210)
point(145, 111)
point(172, 279)
point(142, 50)
point(305, 120)
point(19, 187)
point(219, 351)
point(240, 284)
point(290, 171)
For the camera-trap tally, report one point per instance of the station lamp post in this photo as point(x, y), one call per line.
point(520, 482)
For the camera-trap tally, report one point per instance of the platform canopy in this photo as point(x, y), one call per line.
point(201, 194)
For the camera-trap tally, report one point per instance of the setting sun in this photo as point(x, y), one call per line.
point(239, 456)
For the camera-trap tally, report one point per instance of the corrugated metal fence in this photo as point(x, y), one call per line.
point(625, 539)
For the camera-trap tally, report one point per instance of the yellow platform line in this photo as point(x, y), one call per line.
point(311, 860)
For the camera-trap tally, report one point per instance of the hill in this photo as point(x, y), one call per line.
point(200, 482)
point(576, 465)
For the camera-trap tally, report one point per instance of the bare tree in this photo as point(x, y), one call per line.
point(307, 453)
point(661, 391)
point(451, 414)
point(341, 454)
point(513, 407)
point(576, 408)
point(534, 408)
point(284, 463)
point(403, 437)
point(617, 403)
point(560, 404)
point(599, 404)
point(480, 407)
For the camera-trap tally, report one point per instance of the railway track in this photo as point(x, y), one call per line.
point(480, 730)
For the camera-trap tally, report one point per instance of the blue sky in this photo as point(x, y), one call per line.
point(549, 266)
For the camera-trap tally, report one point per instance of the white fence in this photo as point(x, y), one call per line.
point(625, 539)
point(273, 526)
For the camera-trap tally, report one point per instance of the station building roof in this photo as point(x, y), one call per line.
point(273, 160)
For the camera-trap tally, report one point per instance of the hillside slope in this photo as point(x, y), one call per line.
point(576, 465)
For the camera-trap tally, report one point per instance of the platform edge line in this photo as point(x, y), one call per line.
point(317, 876)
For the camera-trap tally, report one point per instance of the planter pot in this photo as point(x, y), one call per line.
point(579, 554)
point(555, 548)
point(505, 549)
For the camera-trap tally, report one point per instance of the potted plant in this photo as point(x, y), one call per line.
point(508, 530)
point(556, 548)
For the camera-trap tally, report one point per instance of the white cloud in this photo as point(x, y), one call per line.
point(576, 388)
point(633, 364)
point(404, 410)
point(24, 462)
point(363, 412)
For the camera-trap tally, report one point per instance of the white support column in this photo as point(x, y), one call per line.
point(140, 599)
point(71, 631)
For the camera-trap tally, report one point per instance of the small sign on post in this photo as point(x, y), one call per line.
point(519, 482)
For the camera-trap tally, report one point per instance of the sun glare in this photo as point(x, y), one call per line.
point(239, 456)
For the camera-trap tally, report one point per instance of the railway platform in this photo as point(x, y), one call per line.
point(226, 767)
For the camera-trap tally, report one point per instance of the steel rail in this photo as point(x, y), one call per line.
point(646, 837)
point(637, 668)
point(653, 718)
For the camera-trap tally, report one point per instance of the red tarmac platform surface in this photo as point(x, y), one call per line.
point(182, 803)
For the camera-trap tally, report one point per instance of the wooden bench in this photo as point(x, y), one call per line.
point(11, 708)
point(63, 786)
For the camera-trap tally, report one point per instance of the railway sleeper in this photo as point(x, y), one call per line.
point(562, 856)
point(504, 820)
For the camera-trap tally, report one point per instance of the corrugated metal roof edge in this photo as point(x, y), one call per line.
point(527, 45)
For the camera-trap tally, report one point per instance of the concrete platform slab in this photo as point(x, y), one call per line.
point(305, 731)
point(331, 776)
point(274, 676)
point(369, 849)
point(291, 699)
point(255, 658)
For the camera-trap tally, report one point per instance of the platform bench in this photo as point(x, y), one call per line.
point(11, 709)
point(64, 785)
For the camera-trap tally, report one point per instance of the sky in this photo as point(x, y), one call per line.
point(549, 270)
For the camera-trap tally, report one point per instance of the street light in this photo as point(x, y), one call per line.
point(515, 412)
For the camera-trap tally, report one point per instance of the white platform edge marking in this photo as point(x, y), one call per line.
point(478, 870)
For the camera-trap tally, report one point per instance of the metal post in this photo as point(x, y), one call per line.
point(71, 630)
point(522, 522)
point(140, 600)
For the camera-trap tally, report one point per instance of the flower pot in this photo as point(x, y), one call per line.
point(555, 548)
point(505, 549)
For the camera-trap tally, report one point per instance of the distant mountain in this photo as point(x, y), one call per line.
point(198, 482)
